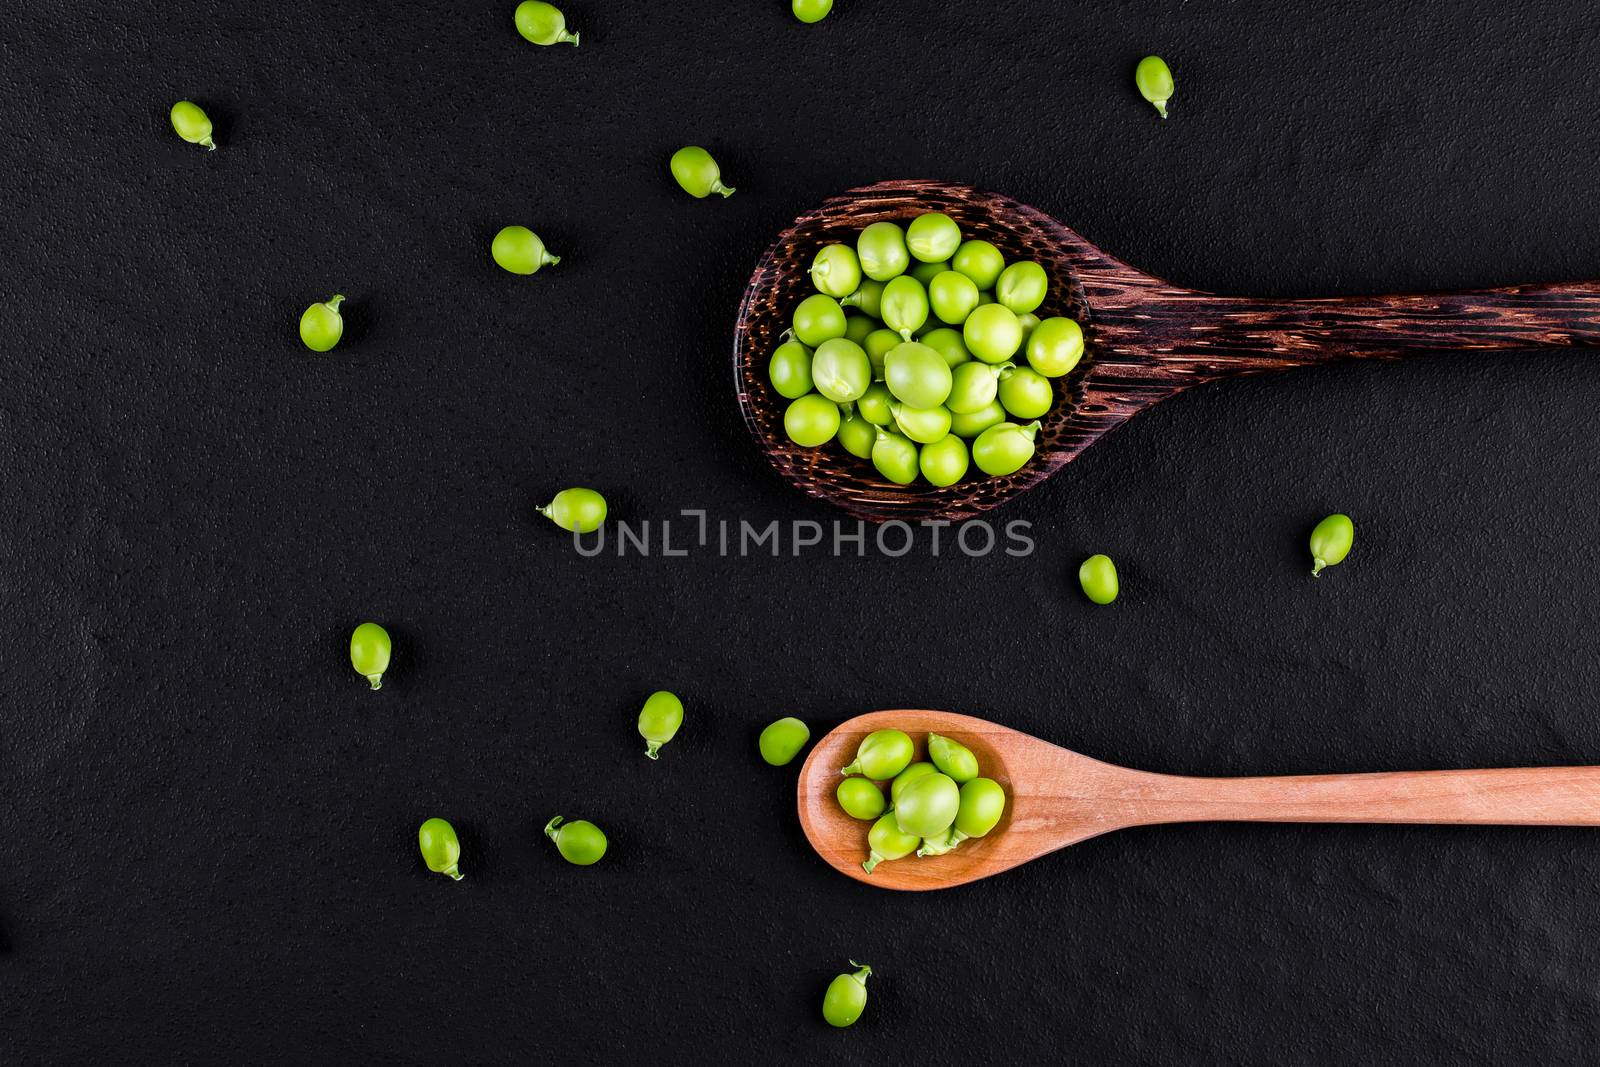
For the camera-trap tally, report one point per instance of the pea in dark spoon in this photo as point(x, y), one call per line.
point(1145, 339)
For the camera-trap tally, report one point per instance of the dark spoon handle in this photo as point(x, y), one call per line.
point(1201, 335)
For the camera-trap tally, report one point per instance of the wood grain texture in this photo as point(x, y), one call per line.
point(1057, 797)
point(1145, 338)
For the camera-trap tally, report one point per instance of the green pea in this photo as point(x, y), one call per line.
point(1155, 82)
point(841, 370)
point(947, 343)
point(1055, 347)
point(886, 841)
point(944, 462)
point(878, 344)
point(868, 298)
point(191, 123)
point(905, 305)
point(1022, 287)
point(882, 754)
point(933, 236)
point(1004, 448)
point(858, 328)
point(441, 848)
point(1331, 542)
point(992, 333)
point(927, 806)
point(836, 271)
point(1029, 322)
point(917, 375)
point(860, 799)
point(1025, 393)
point(922, 425)
point(818, 318)
point(370, 649)
point(543, 23)
point(936, 845)
point(895, 457)
point(982, 804)
point(576, 510)
point(846, 997)
point(1098, 576)
point(698, 173)
point(953, 296)
point(980, 261)
point(811, 420)
point(580, 842)
point(321, 325)
point(790, 370)
point(659, 721)
point(953, 758)
point(927, 272)
point(782, 741)
point(904, 779)
point(520, 251)
point(809, 11)
point(857, 435)
point(973, 386)
point(882, 248)
point(876, 405)
point(972, 424)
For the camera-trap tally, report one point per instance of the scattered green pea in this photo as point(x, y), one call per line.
point(933, 237)
point(811, 420)
point(809, 11)
point(836, 271)
point(1022, 287)
point(868, 298)
point(1155, 82)
point(886, 841)
point(441, 848)
point(659, 721)
point(191, 123)
point(1025, 393)
point(927, 806)
point(790, 370)
point(944, 462)
point(876, 405)
point(841, 370)
point(846, 997)
point(818, 318)
point(953, 297)
point(1331, 542)
point(370, 649)
point(895, 457)
point(992, 333)
point(520, 251)
point(1055, 346)
point(576, 510)
point(1004, 448)
point(882, 249)
point(922, 425)
point(580, 842)
point(972, 424)
point(321, 325)
point(904, 305)
point(1098, 576)
point(953, 759)
point(980, 261)
point(904, 779)
point(543, 23)
point(698, 173)
point(782, 741)
point(917, 375)
point(860, 799)
point(882, 754)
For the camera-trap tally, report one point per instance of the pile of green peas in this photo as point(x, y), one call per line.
point(917, 342)
point(933, 805)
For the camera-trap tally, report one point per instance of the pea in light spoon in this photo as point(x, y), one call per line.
point(1143, 339)
point(1056, 797)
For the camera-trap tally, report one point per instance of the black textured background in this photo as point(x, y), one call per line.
point(207, 823)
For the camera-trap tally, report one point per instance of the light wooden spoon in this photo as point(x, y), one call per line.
point(1055, 798)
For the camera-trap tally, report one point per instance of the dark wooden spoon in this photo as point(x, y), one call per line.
point(1056, 797)
point(1145, 339)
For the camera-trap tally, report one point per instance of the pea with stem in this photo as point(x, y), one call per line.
point(580, 842)
point(882, 754)
point(543, 23)
point(886, 841)
point(659, 721)
point(1155, 83)
point(321, 325)
point(521, 251)
point(698, 173)
point(576, 510)
point(190, 122)
point(846, 997)
point(1331, 542)
point(370, 649)
point(441, 848)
